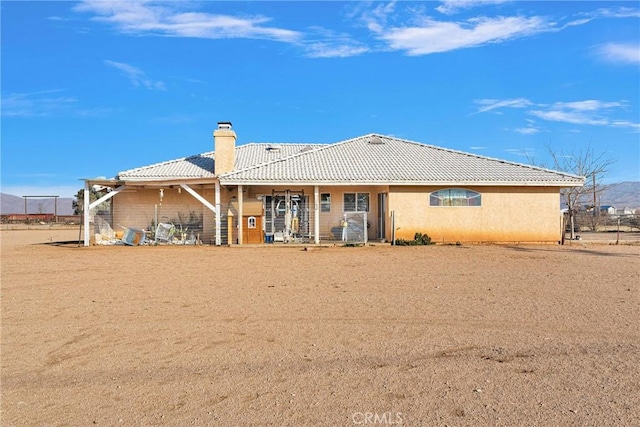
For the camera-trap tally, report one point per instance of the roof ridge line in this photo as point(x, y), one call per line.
point(479, 156)
point(320, 146)
point(166, 162)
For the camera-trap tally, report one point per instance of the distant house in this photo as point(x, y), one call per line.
point(396, 187)
point(608, 210)
point(625, 211)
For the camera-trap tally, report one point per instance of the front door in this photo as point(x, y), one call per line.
point(252, 229)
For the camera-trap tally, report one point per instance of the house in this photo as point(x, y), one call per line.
point(378, 187)
point(607, 210)
point(626, 211)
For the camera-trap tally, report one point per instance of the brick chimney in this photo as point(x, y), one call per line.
point(224, 144)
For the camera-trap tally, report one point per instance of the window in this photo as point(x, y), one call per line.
point(455, 197)
point(356, 202)
point(251, 222)
point(325, 202)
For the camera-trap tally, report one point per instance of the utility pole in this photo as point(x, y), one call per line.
point(596, 209)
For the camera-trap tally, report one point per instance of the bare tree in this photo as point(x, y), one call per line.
point(588, 164)
point(593, 167)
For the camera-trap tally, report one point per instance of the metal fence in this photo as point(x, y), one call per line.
point(47, 218)
point(355, 228)
point(113, 223)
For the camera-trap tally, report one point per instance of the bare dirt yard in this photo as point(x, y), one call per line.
point(331, 336)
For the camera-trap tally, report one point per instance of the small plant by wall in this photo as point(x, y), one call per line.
point(419, 239)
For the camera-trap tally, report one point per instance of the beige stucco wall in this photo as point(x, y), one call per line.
point(330, 227)
point(507, 214)
point(135, 208)
point(225, 150)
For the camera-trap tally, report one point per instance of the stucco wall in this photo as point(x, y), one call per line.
point(330, 221)
point(135, 208)
point(507, 214)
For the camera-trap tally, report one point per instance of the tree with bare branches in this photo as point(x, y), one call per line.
point(585, 163)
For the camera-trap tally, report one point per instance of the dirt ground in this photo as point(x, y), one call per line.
point(332, 336)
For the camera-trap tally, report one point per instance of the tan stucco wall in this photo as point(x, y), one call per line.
point(224, 141)
point(135, 208)
point(330, 221)
point(507, 214)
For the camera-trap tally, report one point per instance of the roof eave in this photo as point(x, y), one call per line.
point(165, 181)
point(408, 183)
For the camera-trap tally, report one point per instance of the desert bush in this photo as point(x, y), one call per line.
point(419, 239)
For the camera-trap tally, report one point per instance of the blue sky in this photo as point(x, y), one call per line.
point(93, 88)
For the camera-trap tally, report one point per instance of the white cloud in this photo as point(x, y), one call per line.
point(529, 130)
point(135, 75)
point(618, 12)
point(449, 7)
point(619, 53)
point(168, 19)
point(329, 50)
point(325, 43)
point(436, 36)
point(394, 25)
point(376, 18)
point(492, 104)
point(588, 105)
point(171, 19)
point(421, 34)
point(574, 117)
point(43, 103)
point(588, 112)
point(626, 124)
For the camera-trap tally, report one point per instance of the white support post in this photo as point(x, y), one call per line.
point(107, 196)
point(198, 197)
point(240, 214)
point(316, 215)
point(85, 212)
point(86, 208)
point(208, 205)
point(218, 223)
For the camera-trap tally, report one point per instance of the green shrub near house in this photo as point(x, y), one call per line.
point(419, 239)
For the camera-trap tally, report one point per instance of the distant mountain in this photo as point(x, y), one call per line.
point(10, 204)
point(621, 195)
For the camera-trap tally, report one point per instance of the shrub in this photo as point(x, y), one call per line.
point(419, 239)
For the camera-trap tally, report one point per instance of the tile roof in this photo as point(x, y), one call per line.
point(368, 159)
point(202, 165)
point(372, 159)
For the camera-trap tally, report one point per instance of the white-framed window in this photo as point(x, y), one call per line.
point(325, 202)
point(356, 202)
point(251, 222)
point(455, 197)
